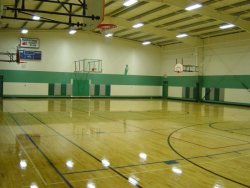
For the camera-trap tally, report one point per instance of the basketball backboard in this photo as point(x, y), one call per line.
point(95, 8)
point(88, 65)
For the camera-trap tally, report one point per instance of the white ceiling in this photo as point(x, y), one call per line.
point(163, 19)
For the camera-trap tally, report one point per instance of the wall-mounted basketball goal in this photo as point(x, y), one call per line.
point(180, 67)
point(88, 65)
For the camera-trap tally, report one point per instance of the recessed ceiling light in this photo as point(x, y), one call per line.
point(24, 31)
point(137, 25)
point(227, 26)
point(128, 3)
point(36, 17)
point(192, 7)
point(146, 43)
point(182, 35)
point(72, 31)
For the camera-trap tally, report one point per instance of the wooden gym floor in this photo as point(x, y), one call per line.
point(57, 143)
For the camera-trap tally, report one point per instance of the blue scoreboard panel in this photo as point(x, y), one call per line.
point(30, 55)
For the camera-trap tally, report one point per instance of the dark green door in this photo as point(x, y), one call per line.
point(165, 89)
point(80, 87)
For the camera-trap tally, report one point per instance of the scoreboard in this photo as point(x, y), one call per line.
point(30, 55)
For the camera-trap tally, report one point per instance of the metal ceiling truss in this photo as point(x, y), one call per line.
point(69, 14)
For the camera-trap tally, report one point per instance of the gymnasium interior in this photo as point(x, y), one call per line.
point(124, 93)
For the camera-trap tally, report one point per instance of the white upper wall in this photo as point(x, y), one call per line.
point(225, 55)
point(179, 53)
point(60, 50)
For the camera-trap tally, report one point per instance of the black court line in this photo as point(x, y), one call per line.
point(219, 134)
point(82, 149)
point(180, 159)
point(159, 162)
point(211, 125)
point(188, 160)
point(41, 151)
point(236, 129)
point(210, 147)
point(84, 171)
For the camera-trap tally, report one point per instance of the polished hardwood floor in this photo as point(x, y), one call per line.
point(113, 143)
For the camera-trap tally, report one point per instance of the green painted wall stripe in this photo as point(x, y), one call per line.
point(165, 89)
point(207, 94)
point(51, 89)
point(36, 76)
point(113, 79)
point(63, 89)
point(65, 77)
point(222, 81)
point(97, 90)
point(182, 81)
point(107, 90)
point(195, 92)
point(227, 81)
point(216, 94)
point(187, 92)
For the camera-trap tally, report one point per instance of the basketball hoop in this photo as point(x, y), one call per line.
point(178, 68)
point(104, 27)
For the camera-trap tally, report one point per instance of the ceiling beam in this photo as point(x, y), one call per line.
point(207, 11)
point(194, 41)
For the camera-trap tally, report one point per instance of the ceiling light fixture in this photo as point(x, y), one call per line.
point(146, 43)
point(128, 3)
point(182, 35)
point(72, 31)
point(192, 7)
point(36, 17)
point(137, 25)
point(24, 31)
point(227, 26)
